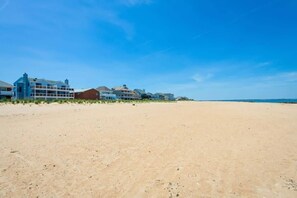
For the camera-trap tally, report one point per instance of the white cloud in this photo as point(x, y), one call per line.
point(202, 77)
point(264, 64)
point(113, 18)
point(282, 77)
point(135, 2)
point(290, 76)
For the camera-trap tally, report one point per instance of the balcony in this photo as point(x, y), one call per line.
point(38, 87)
point(52, 96)
point(6, 93)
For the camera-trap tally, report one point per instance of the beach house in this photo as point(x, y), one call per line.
point(182, 98)
point(105, 93)
point(144, 95)
point(86, 94)
point(35, 88)
point(124, 93)
point(169, 96)
point(6, 90)
point(163, 96)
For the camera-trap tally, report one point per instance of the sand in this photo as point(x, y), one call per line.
point(184, 149)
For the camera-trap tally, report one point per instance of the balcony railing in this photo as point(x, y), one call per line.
point(51, 88)
point(43, 95)
point(6, 93)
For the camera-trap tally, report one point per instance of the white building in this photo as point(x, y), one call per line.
point(106, 94)
point(6, 90)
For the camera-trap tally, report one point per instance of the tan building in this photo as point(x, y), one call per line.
point(124, 93)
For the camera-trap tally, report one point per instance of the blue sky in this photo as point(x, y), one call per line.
point(204, 49)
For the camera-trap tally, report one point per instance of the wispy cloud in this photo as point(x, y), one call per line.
point(277, 85)
point(230, 80)
point(4, 5)
point(282, 77)
point(253, 10)
point(290, 76)
point(60, 15)
point(112, 17)
point(135, 2)
point(154, 54)
point(264, 64)
point(202, 77)
point(199, 35)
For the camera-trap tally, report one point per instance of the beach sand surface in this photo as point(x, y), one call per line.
point(184, 149)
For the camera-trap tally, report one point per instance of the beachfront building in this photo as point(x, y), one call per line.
point(86, 94)
point(163, 96)
point(105, 93)
point(124, 93)
point(103, 88)
point(143, 94)
point(140, 91)
point(149, 95)
point(6, 90)
point(182, 98)
point(35, 88)
point(169, 96)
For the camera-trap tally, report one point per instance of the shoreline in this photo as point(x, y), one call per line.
point(276, 101)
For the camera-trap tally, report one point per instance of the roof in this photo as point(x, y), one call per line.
point(4, 84)
point(164, 94)
point(105, 91)
point(102, 88)
point(124, 87)
point(38, 80)
point(42, 81)
point(83, 90)
point(140, 91)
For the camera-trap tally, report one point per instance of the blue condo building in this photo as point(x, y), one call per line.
point(34, 88)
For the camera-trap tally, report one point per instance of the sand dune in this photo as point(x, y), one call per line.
point(185, 149)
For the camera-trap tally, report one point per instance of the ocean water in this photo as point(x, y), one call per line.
point(261, 100)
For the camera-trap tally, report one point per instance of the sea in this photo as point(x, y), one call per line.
point(289, 101)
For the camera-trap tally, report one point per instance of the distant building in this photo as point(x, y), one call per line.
point(6, 90)
point(124, 93)
point(183, 98)
point(149, 95)
point(158, 96)
point(163, 96)
point(34, 88)
point(140, 91)
point(169, 96)
point(105, 93)
point(103, 88)
point(143, 94)
point(86, 94)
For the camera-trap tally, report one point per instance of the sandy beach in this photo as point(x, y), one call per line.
point(184, 149)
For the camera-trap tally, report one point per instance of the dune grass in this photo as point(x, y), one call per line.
point(78, 101)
